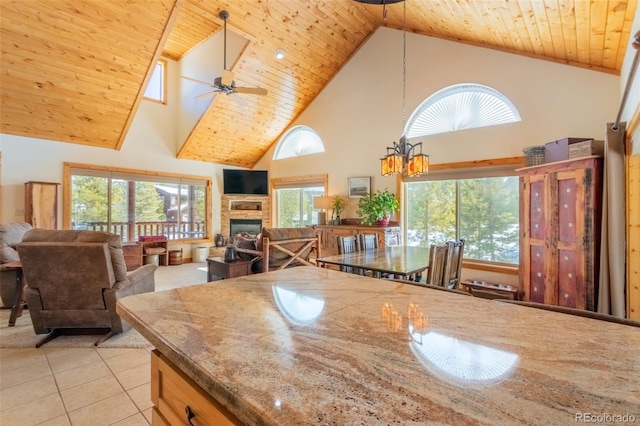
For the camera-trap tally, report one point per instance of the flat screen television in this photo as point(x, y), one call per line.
point(247, 182)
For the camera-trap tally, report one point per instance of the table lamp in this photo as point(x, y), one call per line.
point(322, 203)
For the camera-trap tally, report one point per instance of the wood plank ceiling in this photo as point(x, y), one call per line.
point(75, 70)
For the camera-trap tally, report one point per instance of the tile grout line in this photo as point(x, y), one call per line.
point(55, 381)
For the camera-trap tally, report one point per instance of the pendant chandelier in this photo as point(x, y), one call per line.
point(402, 157)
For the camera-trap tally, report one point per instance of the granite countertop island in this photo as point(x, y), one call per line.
point(312, 346)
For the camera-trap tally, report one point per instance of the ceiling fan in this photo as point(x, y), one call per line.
point(225, 83)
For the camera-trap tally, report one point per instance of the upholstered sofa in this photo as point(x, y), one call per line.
point(10, 235)
point(75, 278)
point(279, 248)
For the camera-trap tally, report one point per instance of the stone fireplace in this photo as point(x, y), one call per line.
point(248, 212)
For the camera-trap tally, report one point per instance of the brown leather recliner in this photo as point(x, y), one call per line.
point(74, 279)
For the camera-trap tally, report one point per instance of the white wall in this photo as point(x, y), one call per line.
point(359, 113)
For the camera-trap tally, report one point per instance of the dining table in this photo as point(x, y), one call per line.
point(406, 262)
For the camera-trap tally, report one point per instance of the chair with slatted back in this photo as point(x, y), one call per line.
point(348, 245)
point(437, 259)
point(368, 241)
point(453, 264)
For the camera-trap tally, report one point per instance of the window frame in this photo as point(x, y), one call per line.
point(466, 170)
point(469, 97)
point(294, 182)
point(164, 66)
point(146, 175)
point(286, 141)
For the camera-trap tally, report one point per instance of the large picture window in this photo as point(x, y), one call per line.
point(294, 200)
point(137, 203)
point(483, 211)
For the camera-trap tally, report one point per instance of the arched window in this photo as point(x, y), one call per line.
point(299, 140)
point(459, 107)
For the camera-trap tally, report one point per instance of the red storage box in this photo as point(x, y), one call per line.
point(559, 150)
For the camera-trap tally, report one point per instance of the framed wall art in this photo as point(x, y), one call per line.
point(359, 186)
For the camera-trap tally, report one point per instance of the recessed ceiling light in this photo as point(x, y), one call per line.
point(279, 54)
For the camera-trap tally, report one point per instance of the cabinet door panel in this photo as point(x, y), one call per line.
point(537, 277)
point(569, 293)
point(537, 216)
point(567, 210)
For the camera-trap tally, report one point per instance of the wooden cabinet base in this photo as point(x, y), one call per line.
point(178, 400)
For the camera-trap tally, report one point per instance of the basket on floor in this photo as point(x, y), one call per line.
point(533, 155)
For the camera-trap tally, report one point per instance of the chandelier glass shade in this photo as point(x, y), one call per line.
point(402, 158)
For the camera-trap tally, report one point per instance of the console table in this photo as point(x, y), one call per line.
point(387, 235)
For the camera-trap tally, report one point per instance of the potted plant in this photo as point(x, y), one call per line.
point(377, 208)
point(337, 205)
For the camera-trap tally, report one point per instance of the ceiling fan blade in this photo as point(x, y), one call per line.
point(251, 90)
point(207, 94)
point(196, 80)
point(227, 78)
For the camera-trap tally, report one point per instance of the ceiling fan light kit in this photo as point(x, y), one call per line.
point(225, 83)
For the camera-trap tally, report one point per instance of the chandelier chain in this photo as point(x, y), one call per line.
point(404, 66)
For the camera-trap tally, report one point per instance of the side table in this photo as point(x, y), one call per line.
point(216, 266)
point(18, 293)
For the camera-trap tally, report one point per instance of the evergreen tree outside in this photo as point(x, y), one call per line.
point(431, 212)
point(93, 209)
point(89, 200)
point(295, 206)
point(488, 211)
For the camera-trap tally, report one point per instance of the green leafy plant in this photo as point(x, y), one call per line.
point(381, 205)
point(337, 205)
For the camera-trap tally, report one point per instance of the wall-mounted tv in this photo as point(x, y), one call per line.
point(247, 182)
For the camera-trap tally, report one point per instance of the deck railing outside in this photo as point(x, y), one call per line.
point(172, 230)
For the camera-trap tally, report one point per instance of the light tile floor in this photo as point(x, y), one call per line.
point(94, 386)
point(81, 386)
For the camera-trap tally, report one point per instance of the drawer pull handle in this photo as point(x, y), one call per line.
point(190, 414)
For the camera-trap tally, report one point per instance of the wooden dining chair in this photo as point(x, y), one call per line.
point(368, 241)
point(437, 259)
point(348, 244)
point(453, 264)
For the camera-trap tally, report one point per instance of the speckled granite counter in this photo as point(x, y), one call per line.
point(315, 346)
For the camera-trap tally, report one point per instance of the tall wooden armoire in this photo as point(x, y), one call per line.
point(41, 204)
point(560, 215)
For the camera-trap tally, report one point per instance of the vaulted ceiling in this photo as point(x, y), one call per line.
point(75, 70)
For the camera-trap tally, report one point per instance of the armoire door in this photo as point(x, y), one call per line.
point(41, 204)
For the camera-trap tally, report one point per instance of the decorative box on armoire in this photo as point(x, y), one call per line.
point(41, 204)
point(560, 213)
